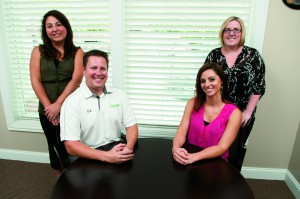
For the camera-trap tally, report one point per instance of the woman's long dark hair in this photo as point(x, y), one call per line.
point(200, 95)
point(48, 49)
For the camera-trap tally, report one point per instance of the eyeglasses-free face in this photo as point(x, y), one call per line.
point(235, 30)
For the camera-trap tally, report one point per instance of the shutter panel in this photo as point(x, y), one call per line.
point(90, 21)
point(166, 42)
point(163, 44)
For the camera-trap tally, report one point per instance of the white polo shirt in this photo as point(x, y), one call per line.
point(81, 119)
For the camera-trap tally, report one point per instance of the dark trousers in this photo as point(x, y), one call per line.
point(57, 151)
point(109, 146)
point(238, 149)
point(247, 131)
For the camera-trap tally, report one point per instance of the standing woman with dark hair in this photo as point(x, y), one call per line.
point(55, 72)
point(209, 120)
point(244, 68)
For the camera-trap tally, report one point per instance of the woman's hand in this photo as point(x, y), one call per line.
point(52, 111)
point(246, 115)
point(55, 120)
point(180, 155)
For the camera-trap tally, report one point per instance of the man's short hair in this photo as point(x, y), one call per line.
point(97, 53)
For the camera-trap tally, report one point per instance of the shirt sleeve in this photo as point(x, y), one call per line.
point(129, 118)
point(70, 121)
point(209, 58)
point(259, 65)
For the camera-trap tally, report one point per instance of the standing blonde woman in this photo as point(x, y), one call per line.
point(244, 68)
point(55, 72)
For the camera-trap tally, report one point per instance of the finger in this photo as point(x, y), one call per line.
point(48, 113)
point(55, 121)
point(120, 144)
point(119, 147)
point(183, 154)
point(244, 121)
point(180, 159)
point(50, 117)
point(124, 159)
point(184, 151)
point(125, 153)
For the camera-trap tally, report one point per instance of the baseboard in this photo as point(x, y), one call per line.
point(292, 184)
point(247, 172)
point(273, 174)
point(264, 173)
point(28, 156)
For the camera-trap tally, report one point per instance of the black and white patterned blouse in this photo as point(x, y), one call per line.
point(245, 78)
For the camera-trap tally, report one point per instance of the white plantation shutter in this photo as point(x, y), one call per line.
point(21, 23)
point(156, 48)
point(165, 44)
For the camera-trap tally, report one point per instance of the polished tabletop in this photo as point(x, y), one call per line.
point(152, 174)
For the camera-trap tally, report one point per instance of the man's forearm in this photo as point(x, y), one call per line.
point(78, 149)
point(131, 136)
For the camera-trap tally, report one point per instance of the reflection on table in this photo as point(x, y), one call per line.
point(152, 174)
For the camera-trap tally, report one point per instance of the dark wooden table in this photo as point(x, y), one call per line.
point(152, 174)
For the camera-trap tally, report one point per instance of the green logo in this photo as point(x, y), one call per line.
point(114, 105)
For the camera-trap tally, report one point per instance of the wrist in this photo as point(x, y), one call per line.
point(248, 110)
point(174, 148)
point(101, 155)
point(130, 147)
point(57, 103)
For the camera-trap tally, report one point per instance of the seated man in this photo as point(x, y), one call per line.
point(94, 115)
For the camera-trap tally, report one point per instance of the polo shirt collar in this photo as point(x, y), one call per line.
point(88, 93)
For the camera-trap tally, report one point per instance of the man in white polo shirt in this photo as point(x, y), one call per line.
point(94, 116)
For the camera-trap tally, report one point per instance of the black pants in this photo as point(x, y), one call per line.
point(57, 151)
point(238, 149)
point(109, 146)
point(248, 129)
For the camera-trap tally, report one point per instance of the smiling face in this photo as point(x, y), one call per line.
point(96, 74)
point(55, 30)
point(232, 38)
point(210, 83)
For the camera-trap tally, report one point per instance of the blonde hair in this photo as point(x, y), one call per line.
point(225, 23)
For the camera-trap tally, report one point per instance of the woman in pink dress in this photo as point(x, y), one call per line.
point(209, 121)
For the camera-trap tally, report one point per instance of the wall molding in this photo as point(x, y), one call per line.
point(247, 172)
point(292, 184)
point(264, 173)
point(27, 156)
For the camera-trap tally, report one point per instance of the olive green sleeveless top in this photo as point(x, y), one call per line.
point(54, 78)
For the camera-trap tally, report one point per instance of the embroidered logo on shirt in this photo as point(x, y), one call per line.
point(114, 105)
